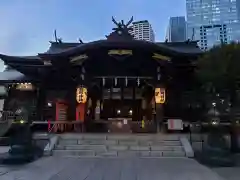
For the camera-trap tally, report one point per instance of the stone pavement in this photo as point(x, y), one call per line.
point(53, 168)
point(229, 173)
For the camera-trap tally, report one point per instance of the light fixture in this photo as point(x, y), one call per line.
point(119, 125)
point(118, 111)
point(214, 122)
point(22, 121)
point(213, 104)
point(49, 104)
point(130, 112)
point(24, 86)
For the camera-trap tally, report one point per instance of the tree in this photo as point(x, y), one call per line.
point(220, 66)
point(218, 70)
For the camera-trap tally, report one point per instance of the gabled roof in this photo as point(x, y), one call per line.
point(68, 49)
point(105, 44)
point(186, 47)
point(12, 76)
point(182, 48)
point(57, 47)
point(21, 59)
point(120, 38)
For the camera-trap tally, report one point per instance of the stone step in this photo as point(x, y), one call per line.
point(167, 154)
point(82, 153)
point(120, 137)
point(102, 145)
point(118, 142)
point(88, 153)
point(166, 148)
point(82, 147)
point(107, 154)
point(98, 142)
point(119, 147)
point(68, 141)
point(160, 143)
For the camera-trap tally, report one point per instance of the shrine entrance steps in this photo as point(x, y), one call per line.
point(118, 145)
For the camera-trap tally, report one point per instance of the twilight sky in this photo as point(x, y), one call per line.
point(28, 25)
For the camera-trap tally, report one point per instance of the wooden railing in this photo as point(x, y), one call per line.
point(78, 126)
point(61, 126)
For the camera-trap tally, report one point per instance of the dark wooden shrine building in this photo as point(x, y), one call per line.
point(133, 85)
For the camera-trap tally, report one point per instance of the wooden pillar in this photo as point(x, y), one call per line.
point(71, 101)
point(134, 106)
point(97, 110)
point(159, 109)
point(144, 106)
point(41, 102)
point(159, 117)
point(144, 114)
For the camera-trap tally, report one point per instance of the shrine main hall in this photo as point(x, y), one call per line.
point(117, 84)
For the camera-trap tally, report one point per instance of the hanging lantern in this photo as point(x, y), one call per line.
point(126, 81)
point(115, 81)
point(81, 95)
point(160, 95)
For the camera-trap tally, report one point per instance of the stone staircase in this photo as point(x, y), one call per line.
point(110, 145)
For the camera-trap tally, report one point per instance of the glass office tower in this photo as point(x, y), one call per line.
point(213, 21)
point(176, 31)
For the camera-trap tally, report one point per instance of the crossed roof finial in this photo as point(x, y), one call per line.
point(121, 25)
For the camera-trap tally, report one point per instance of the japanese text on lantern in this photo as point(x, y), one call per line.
point(81, 95)
point(160, 95)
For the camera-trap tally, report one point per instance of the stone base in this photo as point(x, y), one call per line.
point(20, 154)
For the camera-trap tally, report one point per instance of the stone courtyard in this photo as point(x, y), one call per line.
point(56, 168)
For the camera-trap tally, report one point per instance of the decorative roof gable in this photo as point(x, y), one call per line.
point(121, 32)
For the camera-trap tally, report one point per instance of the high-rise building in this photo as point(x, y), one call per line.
point(142, 30)
point(213, 21)
point(176, 30)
